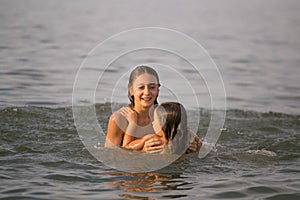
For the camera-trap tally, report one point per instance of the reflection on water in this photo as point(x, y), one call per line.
point(148, 185)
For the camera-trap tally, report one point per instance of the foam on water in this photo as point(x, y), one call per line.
point(262, 152)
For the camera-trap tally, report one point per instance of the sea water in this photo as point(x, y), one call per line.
point(255, 45)
point(42, 157)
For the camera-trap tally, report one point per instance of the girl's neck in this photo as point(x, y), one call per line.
point(143, 116)
point(143, 112)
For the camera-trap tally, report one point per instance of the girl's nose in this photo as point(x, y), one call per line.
point(147, 90)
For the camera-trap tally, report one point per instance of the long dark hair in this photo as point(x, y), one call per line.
point(171, 115)
point(137, 72)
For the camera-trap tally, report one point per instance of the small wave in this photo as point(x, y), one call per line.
point(262, 152)
point(206, 148)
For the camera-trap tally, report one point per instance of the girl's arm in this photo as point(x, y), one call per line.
point(114, 135)
point(127, 139)
point(137, 144)
point(150, 145)
point(195, 143)
point(131, 117)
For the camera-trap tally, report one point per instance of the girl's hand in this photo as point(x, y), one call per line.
point(195, 144)
point(129, 114)
point(154, 145)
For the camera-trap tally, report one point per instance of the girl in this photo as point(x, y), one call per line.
point(143, 90)
point(170, 124)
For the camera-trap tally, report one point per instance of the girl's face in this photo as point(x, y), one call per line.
point(145, 89)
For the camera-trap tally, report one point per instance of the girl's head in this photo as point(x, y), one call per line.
point(170, 117)
point(143, 86)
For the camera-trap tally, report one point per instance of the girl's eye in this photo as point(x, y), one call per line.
point(152, 87)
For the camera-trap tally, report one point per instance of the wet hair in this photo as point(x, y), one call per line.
point(171, 115)
point(137, 72)
point(173, 120)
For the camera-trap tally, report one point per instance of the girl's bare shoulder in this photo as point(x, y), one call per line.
point(119, 119)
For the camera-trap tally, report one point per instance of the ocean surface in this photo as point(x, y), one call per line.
point(254, 44)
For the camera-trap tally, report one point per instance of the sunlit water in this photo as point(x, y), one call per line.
point(256, 46)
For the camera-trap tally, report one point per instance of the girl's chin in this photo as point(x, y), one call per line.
point(147, 103)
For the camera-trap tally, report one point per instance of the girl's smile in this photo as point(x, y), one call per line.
point(145, 90)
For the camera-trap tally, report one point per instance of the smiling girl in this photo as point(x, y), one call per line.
point(143, 90)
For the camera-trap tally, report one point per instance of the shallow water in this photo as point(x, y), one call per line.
point(255, 45)
point(42, 157)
